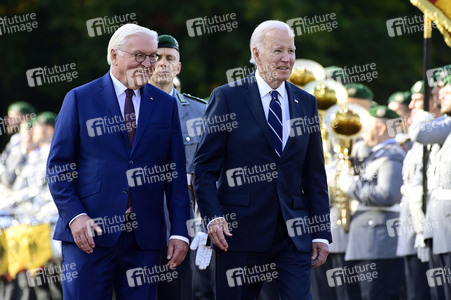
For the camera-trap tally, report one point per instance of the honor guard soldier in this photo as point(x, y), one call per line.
point(399, 103)
point(14, 154)
point(191, 111)
point(437, 227)
point(371, 246)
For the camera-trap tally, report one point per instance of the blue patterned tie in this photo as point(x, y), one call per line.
point(275, 122)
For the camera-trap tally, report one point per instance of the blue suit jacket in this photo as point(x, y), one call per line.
point(103, 158)
point(299, 189)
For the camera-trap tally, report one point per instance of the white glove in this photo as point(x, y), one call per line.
point(203, 255)
point(423, 251)
point(345, 182)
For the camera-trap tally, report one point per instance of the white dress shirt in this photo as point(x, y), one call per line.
point(265, 95)
point(119, 89)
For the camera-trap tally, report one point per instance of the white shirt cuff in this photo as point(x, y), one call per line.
point(321, 241)
point(179, 237)
point(213, 220)
point(82, 214)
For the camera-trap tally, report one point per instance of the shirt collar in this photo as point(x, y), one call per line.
point(119, 87)
point(381, 145)
point(265, 89)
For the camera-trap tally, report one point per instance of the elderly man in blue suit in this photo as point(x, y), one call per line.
point(122, 137)
point(261, 143)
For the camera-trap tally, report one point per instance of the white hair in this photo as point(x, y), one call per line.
point(259, 34)
point(117, 40)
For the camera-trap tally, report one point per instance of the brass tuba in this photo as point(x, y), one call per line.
point(305, 71)
point(345, 123)
point(327, 93)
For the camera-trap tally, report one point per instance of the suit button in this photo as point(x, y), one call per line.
point(187, 139)
point(131, 162)
point(125, 191)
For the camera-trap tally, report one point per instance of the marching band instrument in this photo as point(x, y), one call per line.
point(344, 122)
point(327, 93)
point(305, 71)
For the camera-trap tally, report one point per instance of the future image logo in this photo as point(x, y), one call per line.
point(406, 25)
point(108, 25)
point(438, 276)
point(313, 24)
point(47, 75)
point(208, 25)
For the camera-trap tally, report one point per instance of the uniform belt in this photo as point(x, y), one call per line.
point(441, 194)
point(393, 208)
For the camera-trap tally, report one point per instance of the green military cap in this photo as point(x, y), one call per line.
point(46, 117)
point(358, 90)
point(167, 41)
point(382, 111)
point(447, 80)
point(22, 107)
point(445, 73)
point(418, 87)
point(400, 97)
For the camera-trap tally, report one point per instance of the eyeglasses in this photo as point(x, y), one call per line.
point(140, 57)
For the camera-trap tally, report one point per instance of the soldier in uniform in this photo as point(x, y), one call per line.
point(30, 188)
point(191, 110)
point(399, 103)
point(13, 156)
point(321, 288)
point(371, 248)
point(361, 95)
point(437, 228)
point(411, 218)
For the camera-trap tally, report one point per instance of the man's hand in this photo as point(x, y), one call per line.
point(82, 231)
point(320, 251)
point(177, 250)
point(216, 231)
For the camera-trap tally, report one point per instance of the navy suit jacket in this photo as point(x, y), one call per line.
point(298, 187)
point(88, 133)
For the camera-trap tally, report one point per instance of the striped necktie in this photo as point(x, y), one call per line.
point(275, 122)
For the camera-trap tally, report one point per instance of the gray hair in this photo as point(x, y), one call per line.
point(259, 34)
point(117, 41)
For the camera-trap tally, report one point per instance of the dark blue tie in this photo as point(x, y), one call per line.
point(275, 122)
point(130, 121)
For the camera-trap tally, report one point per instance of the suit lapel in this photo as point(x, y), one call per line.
point(254, 103)
point(111, 102)
point(295, 112)
point(148, 100)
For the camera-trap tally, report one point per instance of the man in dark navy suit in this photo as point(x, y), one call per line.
point(259, 176)
point(122, 136)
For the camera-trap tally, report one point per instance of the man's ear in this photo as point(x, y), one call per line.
point(179, 68)
point(381, 127)
point(256, 54)
point(113, 55)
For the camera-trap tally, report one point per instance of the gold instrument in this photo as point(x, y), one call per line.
point(327, 93)
point(345, 123)
point(305, 71)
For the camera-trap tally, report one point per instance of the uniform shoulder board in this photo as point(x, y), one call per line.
point(195, 98)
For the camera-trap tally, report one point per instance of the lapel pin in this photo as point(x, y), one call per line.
point(151, 98)
point(296, 101)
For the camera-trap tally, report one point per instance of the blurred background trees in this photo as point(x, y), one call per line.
point(61, 38)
